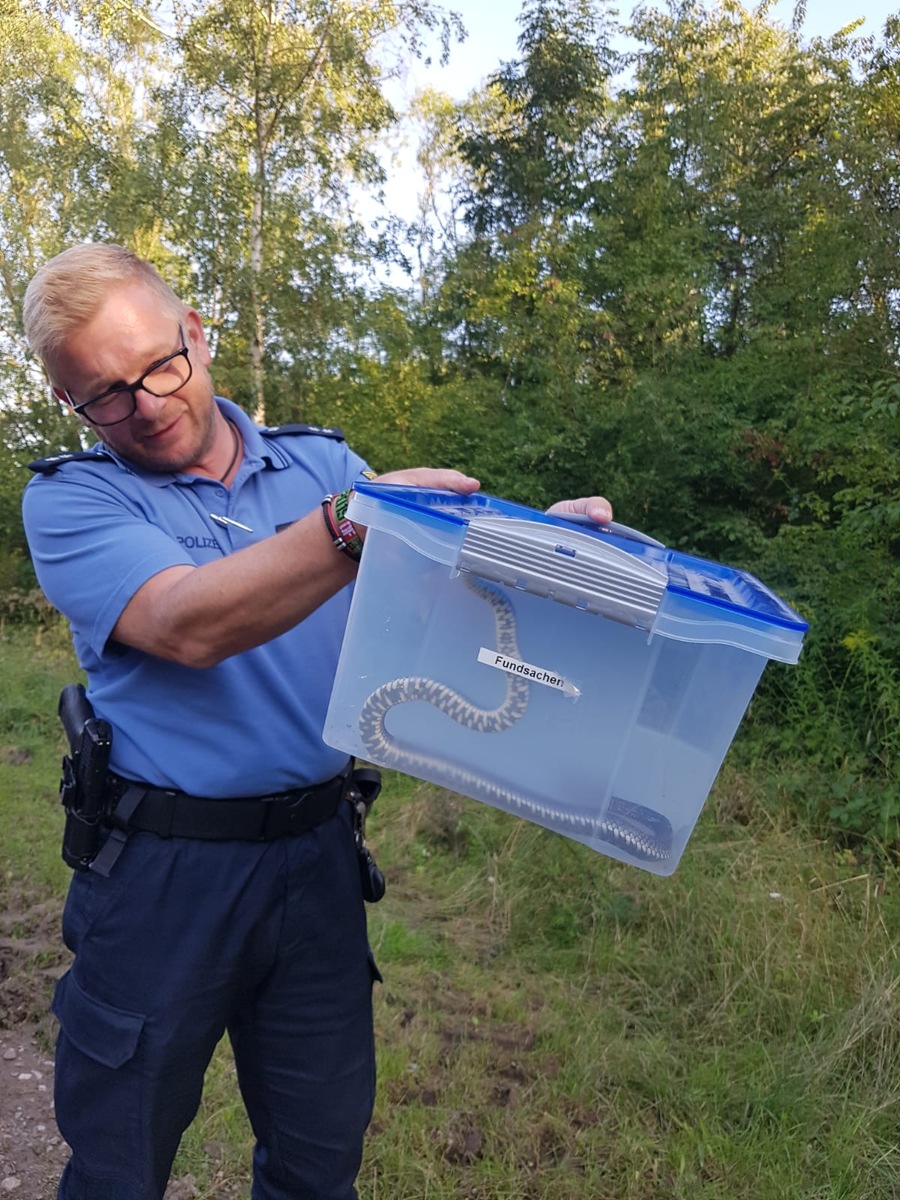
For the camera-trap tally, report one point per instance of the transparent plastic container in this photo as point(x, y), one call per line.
point(586, 678)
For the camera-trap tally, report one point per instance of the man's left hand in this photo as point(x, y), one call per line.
point(595, 508)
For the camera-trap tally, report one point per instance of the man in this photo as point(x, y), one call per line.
point(203, 564)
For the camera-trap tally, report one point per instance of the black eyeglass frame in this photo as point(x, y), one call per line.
point(132, 388)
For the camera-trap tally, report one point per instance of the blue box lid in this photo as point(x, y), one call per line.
point(668, 592)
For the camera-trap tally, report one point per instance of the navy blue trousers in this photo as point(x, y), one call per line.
point(187, 940)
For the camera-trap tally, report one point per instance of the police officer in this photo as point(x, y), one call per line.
point(202, 563)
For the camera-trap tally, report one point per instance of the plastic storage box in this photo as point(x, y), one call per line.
point(585, 678)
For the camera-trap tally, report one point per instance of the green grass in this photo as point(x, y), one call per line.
point(555, 1025)
point(729, 1032)
point(37, 663)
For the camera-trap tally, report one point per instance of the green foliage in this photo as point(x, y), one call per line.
point(677, 285)
point(840, 710)
point(530, 162)
point(708, 330)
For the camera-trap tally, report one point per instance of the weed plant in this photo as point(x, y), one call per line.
point(554, 1025)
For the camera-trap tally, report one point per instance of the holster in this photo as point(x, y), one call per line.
point(83, 784)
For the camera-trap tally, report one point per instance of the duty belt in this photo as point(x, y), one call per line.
point(136, 806)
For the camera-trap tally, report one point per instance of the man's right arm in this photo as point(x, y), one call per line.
point(200, 615)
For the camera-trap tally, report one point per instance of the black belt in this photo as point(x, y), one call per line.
point(245, 819)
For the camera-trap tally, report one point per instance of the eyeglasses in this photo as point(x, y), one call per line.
point(118, 403)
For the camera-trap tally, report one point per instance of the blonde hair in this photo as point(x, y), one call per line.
point(70, 289)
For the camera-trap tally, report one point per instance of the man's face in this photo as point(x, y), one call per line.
point(127, 336)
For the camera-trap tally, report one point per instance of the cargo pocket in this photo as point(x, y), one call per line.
point(98, 1087)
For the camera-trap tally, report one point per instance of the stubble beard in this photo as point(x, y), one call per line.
point(176, 463)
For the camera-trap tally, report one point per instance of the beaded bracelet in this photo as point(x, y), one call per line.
point(341, 530)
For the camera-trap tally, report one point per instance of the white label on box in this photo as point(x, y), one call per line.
point(515, 666)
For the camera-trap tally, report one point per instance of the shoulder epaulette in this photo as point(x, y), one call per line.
point(46, 466)
point(319, 430)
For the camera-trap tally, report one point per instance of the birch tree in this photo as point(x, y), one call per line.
point(288, 95)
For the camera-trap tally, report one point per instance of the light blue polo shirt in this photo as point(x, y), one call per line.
point(99, 527)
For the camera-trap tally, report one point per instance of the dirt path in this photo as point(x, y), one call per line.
point(32, 1153)
point(32, 957)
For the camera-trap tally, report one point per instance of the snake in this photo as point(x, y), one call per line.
point(636, 830)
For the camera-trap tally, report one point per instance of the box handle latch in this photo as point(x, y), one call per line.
point(571, 568)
